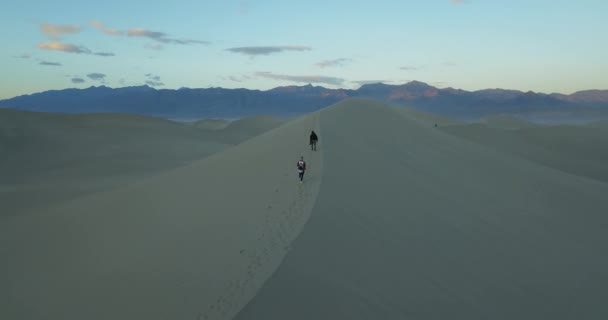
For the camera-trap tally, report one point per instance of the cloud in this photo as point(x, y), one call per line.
point(152, 77)
point(47, 63)
point(56, 31)
point(450, 64)
point(154, 83)
point(332, 63)
point(410, 68)
point(161, 37)
point(234, 78)
point(97, 76)
point(156, 46)
point(362, 82)
point(457, 2)
point(70, 48)
point(255, 51)
point(143, 33)
point(307, 79)
point(153, 80)
point(78, 80)
point(237, 78)
point(24, 56)
point(58, 46)
point(100, 26)
point(104, 54)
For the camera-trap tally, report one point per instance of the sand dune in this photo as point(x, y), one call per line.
point(49, 158)
point(413, 223)
point(507, 122)
point(397, 219)
point(211, 124)
point(240, 130)
point(575, 149)
point(194, 242)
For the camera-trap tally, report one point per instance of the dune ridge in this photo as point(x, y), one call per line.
point(396, 219)
point(414, 223)
point(195, 242)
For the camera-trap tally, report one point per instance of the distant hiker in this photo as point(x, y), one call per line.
point(313, 141)
point(301, 168)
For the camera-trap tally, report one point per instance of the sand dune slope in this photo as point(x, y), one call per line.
point(50, 158)
point(211, 124)
point(575, 149)
point(240, 130)
point(413, 223)
point(192, 243)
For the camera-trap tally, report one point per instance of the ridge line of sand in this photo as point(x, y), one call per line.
point(197, 241)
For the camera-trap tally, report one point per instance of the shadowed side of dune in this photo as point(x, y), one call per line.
point(240, 130)
point(195, 242)
point(50, 158)
point(412, 223)
point(211, 124)
point(575, 149)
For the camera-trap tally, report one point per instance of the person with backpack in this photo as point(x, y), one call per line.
point(313, 141)
point(301, 168)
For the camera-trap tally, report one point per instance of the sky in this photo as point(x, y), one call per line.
point(539, 45)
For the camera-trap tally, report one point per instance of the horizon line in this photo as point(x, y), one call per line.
point(300, 86)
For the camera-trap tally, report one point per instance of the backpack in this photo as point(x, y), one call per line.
point(301, 165)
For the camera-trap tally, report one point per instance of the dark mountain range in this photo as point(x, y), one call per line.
point(294, 100)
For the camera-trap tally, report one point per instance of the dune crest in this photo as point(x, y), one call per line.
point(414, 223)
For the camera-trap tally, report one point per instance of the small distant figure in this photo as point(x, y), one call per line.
point(301, 168)
point(435, 125)
point(313, 140)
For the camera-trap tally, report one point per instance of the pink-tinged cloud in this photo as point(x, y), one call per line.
point(57, 31)
point(70, 48)
point(255, 51)
point(306, 79)
point(101, 27)
point(64, 47)
point(332, 63)
point(161, 37)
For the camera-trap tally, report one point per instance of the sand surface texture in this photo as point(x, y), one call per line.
point(195, 242)
point(396, 219)
point(413, 223)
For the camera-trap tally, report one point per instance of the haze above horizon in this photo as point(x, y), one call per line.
point(544, 46)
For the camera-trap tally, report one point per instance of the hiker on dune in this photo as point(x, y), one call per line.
point(301, 168)
point(313, 141)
